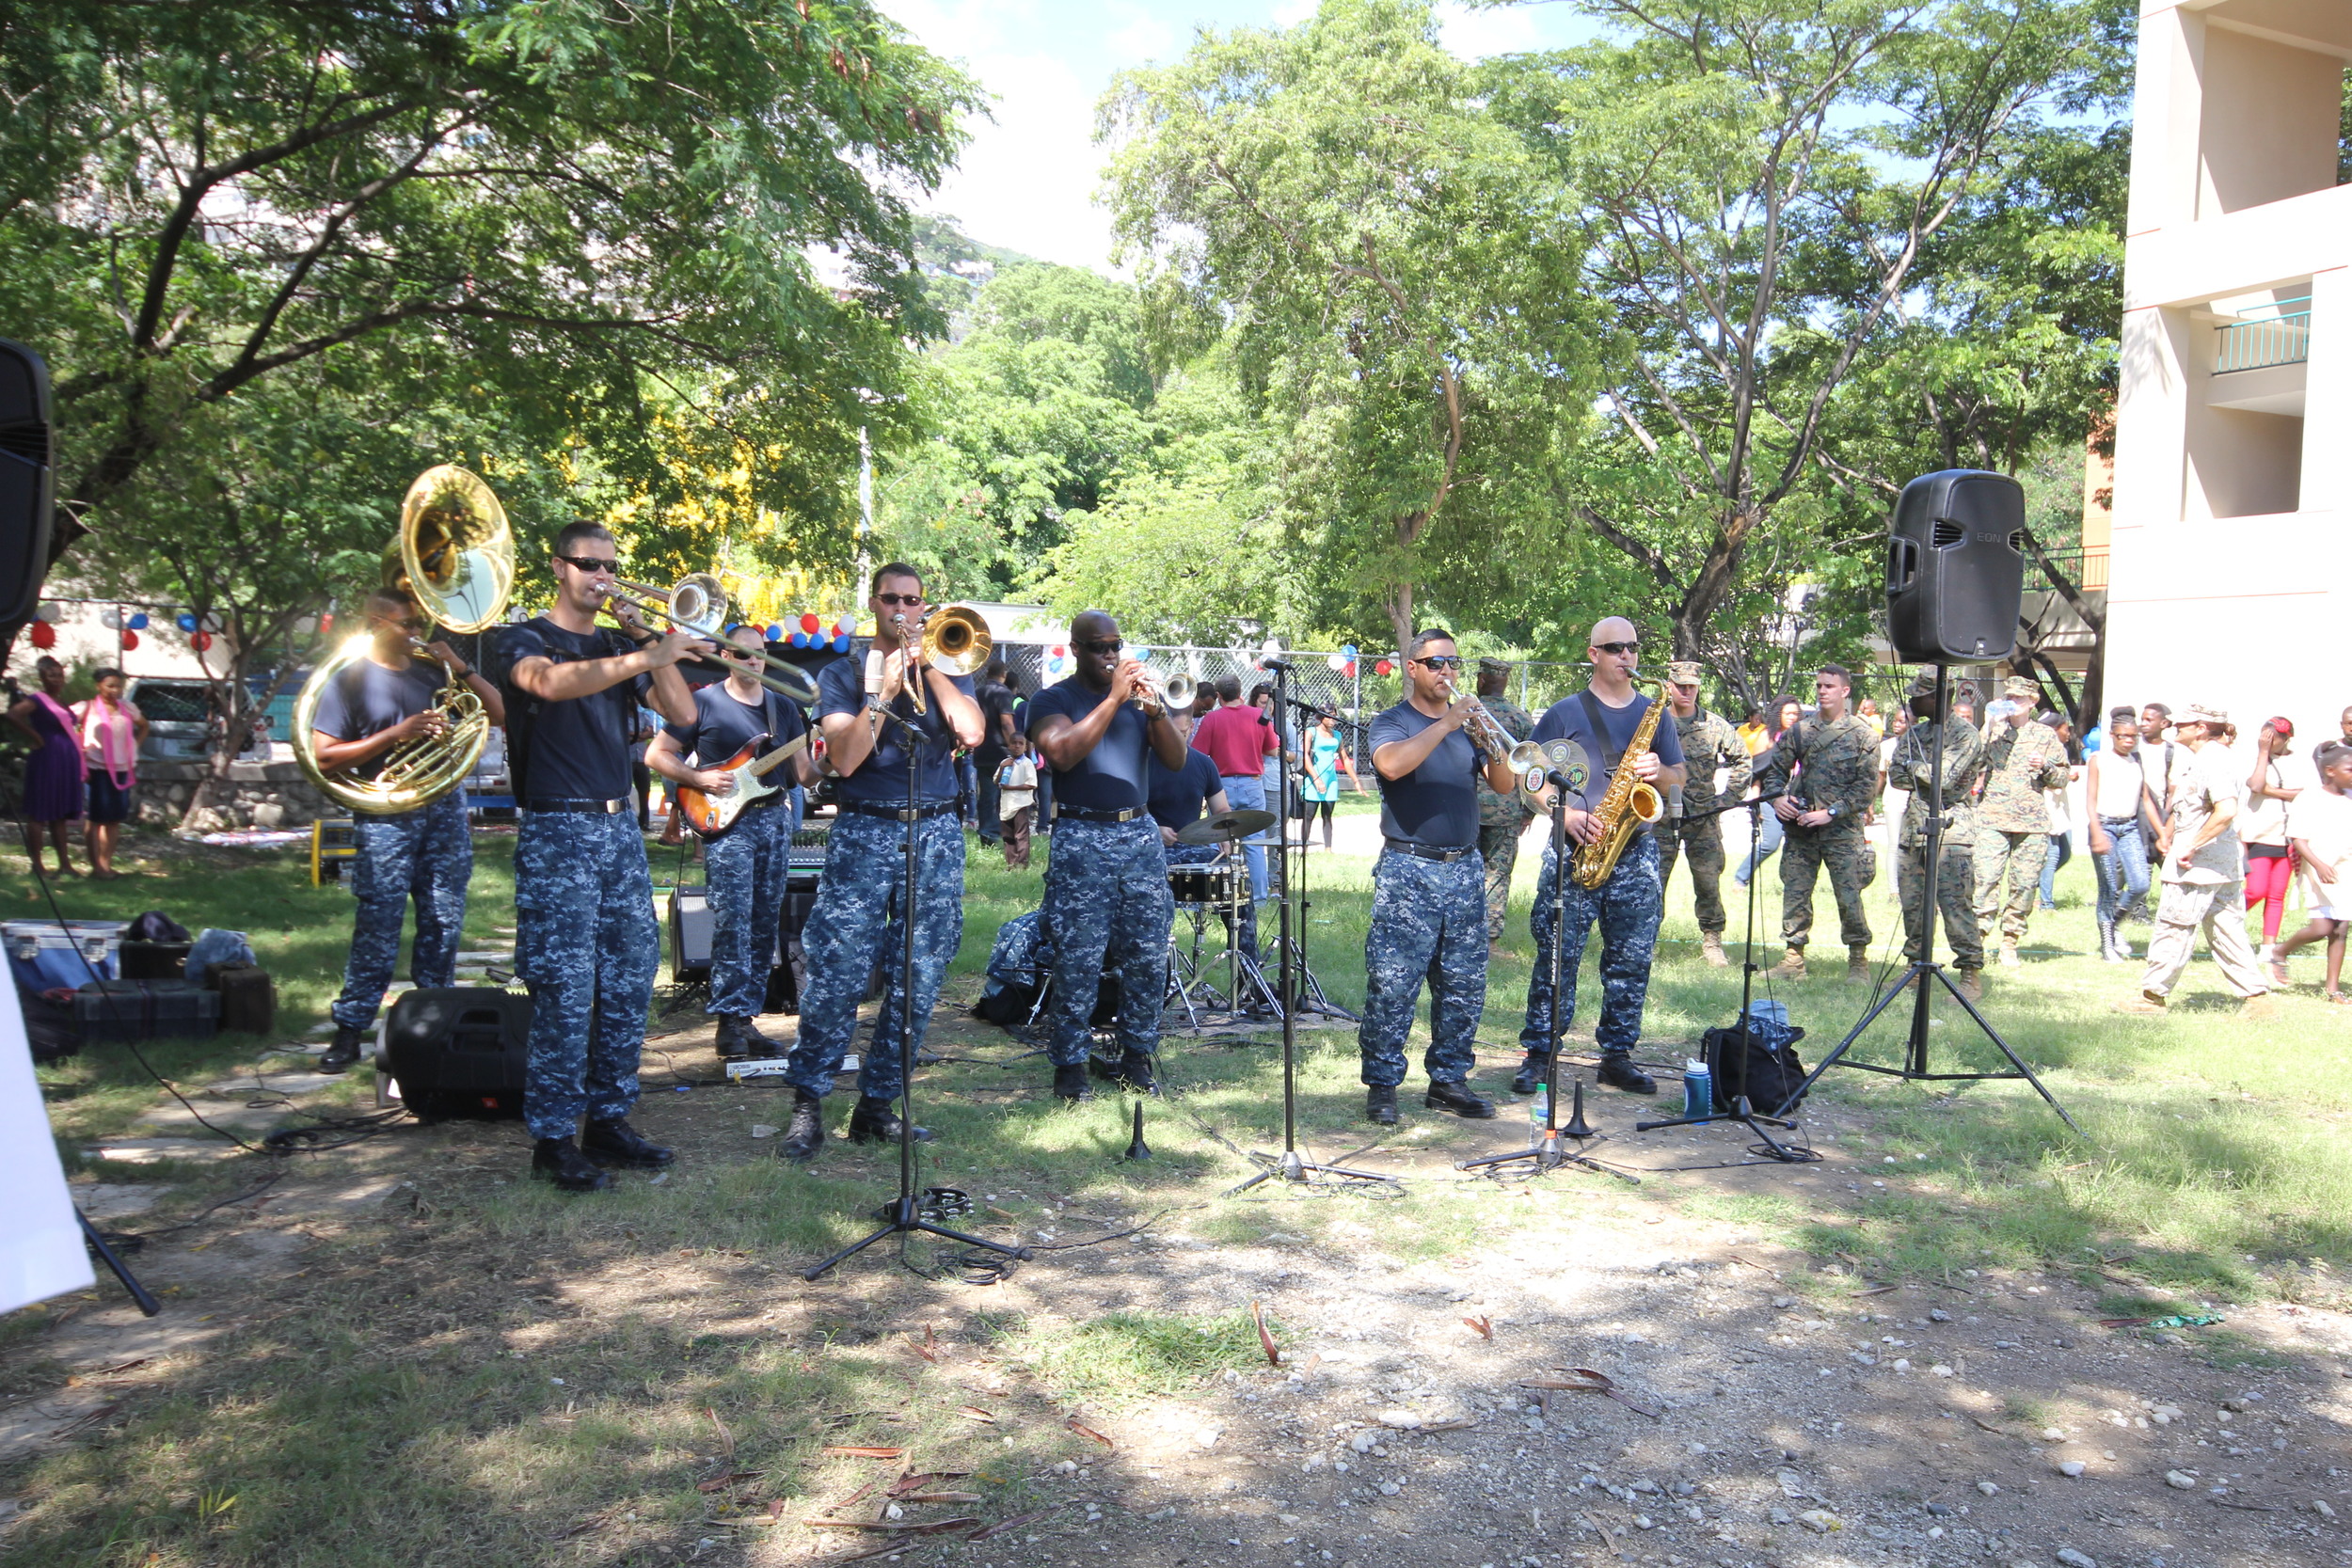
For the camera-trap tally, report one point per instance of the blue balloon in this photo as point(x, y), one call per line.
point(186, 621)
point(775, 632)
point(138, 621)
point(1347, 650)
point(841, 643)
point(797, 639)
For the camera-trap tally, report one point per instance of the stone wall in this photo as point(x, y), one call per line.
point(257, 795)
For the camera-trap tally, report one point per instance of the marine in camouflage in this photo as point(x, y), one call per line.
point(1910, 767)
point(1709, 742)
point(2020, 762)
point(1701, 844)
point(1428, 922)
point(1829, 767)
point(425, 855)
point(851, 931)
point(1108, 906)
point(1627, 908)
point(587, 945)
point(744, 873)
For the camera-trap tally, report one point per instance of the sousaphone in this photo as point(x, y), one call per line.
point(455, 556)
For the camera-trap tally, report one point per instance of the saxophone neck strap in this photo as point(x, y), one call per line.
point(1597, 717)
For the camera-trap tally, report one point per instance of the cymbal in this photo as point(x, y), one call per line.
point(1226, 826)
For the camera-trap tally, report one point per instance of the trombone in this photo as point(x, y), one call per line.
point(697, 604)
point(953, 638)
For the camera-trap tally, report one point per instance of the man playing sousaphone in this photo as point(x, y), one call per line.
point(1603, 719)
point(373, 704)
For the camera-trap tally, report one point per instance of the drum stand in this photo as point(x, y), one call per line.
point(1250, 990)
point(1313, 1000)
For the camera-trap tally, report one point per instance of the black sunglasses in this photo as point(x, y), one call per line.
point(1099, 644)
point(1618, 648)
point(1441, 661)
point(909, 600)
point(590, 563)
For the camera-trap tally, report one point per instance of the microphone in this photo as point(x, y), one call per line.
point(873, 676)
point(1282, 664)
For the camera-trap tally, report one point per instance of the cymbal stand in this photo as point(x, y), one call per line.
point(1248, 991)
point(1292, 1167)
point(1315, 1000)
point(1741, 1112)
point(1924, 968)
point(903, 1217)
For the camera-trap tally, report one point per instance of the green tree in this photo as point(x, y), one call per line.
point(550, 210)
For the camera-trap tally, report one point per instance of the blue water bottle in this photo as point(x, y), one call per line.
point(1698, 1090)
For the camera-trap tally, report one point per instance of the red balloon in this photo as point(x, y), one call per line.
point(1060, 651)
point(201, 641)
point(1350, 671)
point(44, 635)
point(1383, 668)
point(326, 622)
point(129, 639)
point(809, 621)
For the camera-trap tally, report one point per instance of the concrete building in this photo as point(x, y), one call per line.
point(2233, 480)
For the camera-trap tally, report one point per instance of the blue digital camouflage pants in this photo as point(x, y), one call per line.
point(1627, 908)
point(1108, 906)
point(743, 875)
point(587, 945)
point(1428, 923)
point(426, 855)
point(851, 929)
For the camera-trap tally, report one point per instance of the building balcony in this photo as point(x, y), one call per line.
point(2281, 335)
point(2087, 569)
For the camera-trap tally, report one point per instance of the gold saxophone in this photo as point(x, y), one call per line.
point(1629, 805)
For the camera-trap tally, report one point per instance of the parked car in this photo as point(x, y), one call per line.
point(178, 718)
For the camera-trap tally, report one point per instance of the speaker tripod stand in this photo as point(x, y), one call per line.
point(1924, 973)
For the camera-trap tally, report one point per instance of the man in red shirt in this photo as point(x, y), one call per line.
point(1239, 739)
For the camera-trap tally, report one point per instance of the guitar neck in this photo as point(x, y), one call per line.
point(781, 754)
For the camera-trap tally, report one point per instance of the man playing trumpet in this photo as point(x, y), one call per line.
point(1429, 886)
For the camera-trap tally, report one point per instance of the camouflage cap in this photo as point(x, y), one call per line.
point(2025, 689)
point(1684, 671)
point(2202, 713)
point(1494, 665)
point(1922, 684)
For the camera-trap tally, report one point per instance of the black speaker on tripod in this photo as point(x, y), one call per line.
point(1956, 568)
point(27, 479)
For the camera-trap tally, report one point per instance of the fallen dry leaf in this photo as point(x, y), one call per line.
point(1266, 1340)
point(934, 1527)
point(897, 1544)
point(974, 1413)
point(726, 1438)
point(1875, 1290)
point(1483, 1327)
point(720, 1483)
point(1014, 1523)
point(941, 1497)
point(844, 1502)
point(1584, 1380)
point(849, 1451)
point(1459, 1423)
point(912, 1482)
point(1085, 1431)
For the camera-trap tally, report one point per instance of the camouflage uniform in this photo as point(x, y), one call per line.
point(1107, 900)
point(851, 930)
point(426, 854)
point(1428, 922)
point(1502, 820)
point(1837, 768)
point(1627, 907)
point(2013, 821)
point(587, 945)
point(1956, 880)
point(744, 872)
point(1709, 741)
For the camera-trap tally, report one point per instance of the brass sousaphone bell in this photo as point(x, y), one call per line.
point(455, 556)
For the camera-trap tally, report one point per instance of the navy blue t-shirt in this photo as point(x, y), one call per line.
point(577, 748)
point(1437, 804)
point(1178, 798)
point(1110, 777)
point(367, 699)
point(1566, 721)
point(724, 724)
point(882, 777)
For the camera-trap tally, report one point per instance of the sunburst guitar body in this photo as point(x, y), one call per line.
point(713, 815)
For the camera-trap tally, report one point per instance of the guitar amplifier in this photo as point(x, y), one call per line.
point(458, 1051)
point(690, 934)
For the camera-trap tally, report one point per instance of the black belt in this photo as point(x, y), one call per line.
point(1090, 814)
point(897, 814)
point(1430, 851)
point(599, 808)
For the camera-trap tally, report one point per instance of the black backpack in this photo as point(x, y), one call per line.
point(1769, 1054)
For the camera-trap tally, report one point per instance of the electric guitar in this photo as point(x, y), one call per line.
point(713, 815)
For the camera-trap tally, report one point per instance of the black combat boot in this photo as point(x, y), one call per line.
point(876, 1121)
point(1380, 1104)
point(806, 1134)
point(1453, 1093)
point(343, 1052)
point(736, 1040)
point(561, 1161)
point(1070, 1083)
point(616, 1143)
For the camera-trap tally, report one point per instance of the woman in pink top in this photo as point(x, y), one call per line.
point(111, 731)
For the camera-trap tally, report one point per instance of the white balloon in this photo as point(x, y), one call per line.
point(111, 618)
point(49, 611)
point(1337, 661)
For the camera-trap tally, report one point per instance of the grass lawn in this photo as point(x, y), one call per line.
point(2214, 1168)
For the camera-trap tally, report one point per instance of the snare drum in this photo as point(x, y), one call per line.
point(1213, 883)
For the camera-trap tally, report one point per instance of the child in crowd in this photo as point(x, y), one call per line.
point(2319, 822)
point(1016, 801)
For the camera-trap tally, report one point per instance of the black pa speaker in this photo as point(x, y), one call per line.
point(1956, 568)
point(459, 1052)
point(27, 479)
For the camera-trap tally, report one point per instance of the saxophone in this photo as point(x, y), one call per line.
point(1631, 804)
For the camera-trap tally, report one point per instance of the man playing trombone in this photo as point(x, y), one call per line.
point(585, 939)
point(866, 712)
point(1429, 886)
point(1106, 897)
point(375, 704)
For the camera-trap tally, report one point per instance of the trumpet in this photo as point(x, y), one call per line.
point(1486, 731)
point(696, 605)
point(1166, 692)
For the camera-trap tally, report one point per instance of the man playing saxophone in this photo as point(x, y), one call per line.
point(1604, 720)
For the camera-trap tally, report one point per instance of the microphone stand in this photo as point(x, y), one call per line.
point(1316, 1001)
point(903, 1217)
point(1924, 968)
point(1290, 1166)
point(1741, 1112)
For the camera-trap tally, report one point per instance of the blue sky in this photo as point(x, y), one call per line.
point(1027, 180)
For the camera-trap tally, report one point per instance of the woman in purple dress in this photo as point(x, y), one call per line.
point(52, 774)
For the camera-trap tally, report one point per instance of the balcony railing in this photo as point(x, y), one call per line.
point(2086, 569)
point(2284, 339)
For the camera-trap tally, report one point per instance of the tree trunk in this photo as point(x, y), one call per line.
point(1400, 609)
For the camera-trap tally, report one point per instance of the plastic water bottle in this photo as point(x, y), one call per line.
point(1698, 1090)
point(1538, 1116)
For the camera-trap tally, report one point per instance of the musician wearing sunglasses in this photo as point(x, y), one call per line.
point(1429, 887)
point(745, 867)
point(585, 941)
point(1106, 897)
point(1603, 719)
point(864, 708)
point(376, 703)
